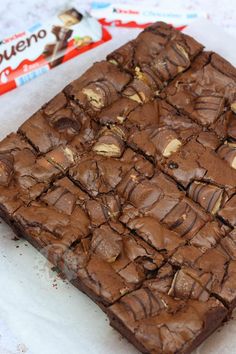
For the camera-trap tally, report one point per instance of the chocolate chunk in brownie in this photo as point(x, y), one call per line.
point(228, 211)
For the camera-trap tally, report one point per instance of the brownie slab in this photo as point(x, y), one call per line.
point(126, 182)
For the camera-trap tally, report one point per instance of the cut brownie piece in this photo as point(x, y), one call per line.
point(155, 62)
point(110, 263)
point(217, 263)
point(154, 197)
point(152, 77)
point(180, 283)
point(160, 199)
point(24, 175)
point(98, 87)
point(144, 48)
point(57, 218)
point(155, 129)
point(205, 91)
point(58, 123)
point(161, 215)
point(65, 214)
point(169, 314)
point(98, 173)
point(157, 235)
point(196, 162)
point(65, 196)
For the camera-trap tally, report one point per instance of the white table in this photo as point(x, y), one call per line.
point(16, 15)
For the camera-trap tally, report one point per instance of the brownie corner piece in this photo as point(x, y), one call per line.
point(171, 313)
point(167, 316)
point(205, 92)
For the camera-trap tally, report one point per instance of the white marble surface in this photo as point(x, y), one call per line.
point(16, 15)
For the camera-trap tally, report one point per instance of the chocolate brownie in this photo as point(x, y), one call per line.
point(126, 182)
point(155, 128)
point(59, 122)
point(216, 265)
point(106, 260)
point(195, 161)
point(205, 92)
point(98, 87)
point(172, 313)
point(24, 175)
point(150, 78)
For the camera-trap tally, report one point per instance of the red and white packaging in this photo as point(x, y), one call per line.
point(135, 14)
point(30, 53)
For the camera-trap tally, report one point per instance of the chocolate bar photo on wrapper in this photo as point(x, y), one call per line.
point(126, 182)
point(70, 17)
point(54, 52)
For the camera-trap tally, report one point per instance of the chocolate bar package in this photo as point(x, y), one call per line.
point(30, 53)
point(132, 15)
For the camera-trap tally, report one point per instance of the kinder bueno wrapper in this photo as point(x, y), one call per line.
point(135, 15)
point(28, 54)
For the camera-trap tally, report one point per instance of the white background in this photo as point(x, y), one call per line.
point(16, 15)
point(39, 313)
